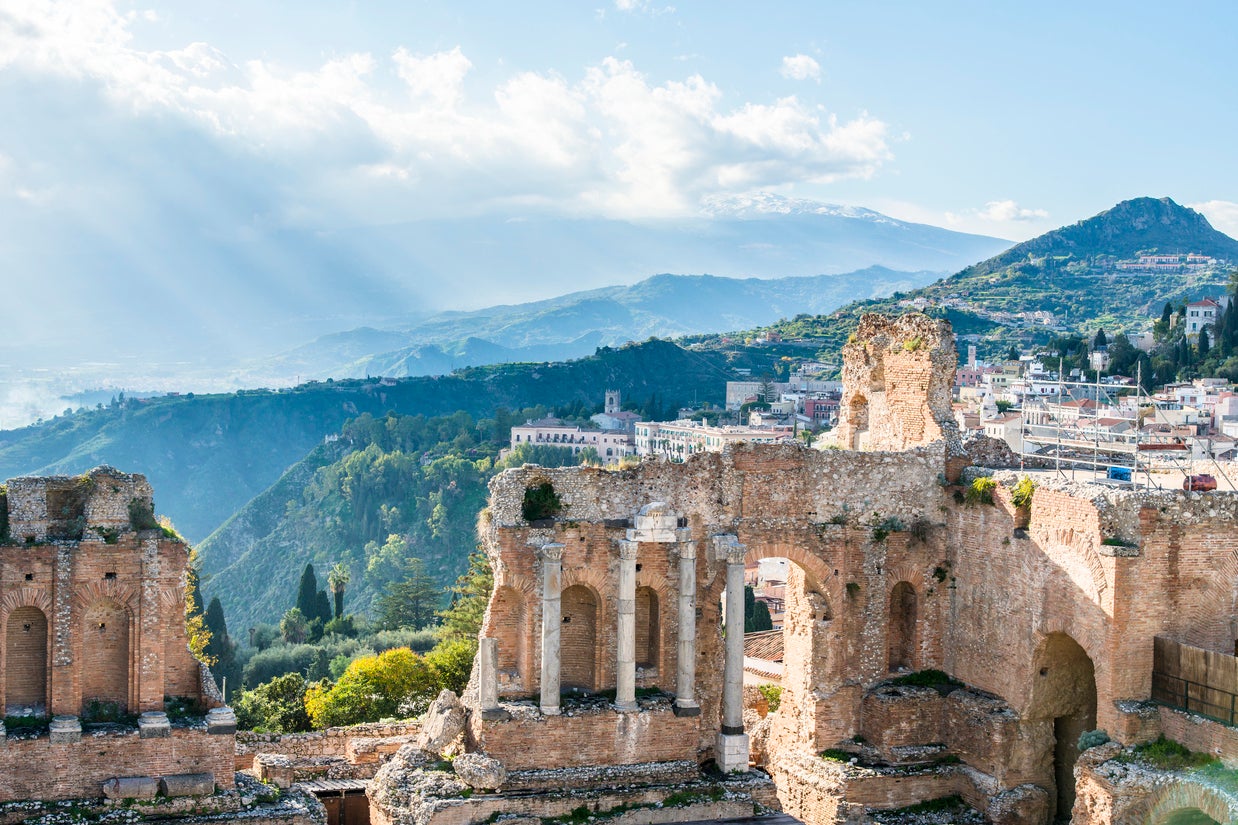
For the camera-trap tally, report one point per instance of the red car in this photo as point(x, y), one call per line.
point(1200, 483)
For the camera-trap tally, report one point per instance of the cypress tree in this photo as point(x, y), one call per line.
point(307, 593)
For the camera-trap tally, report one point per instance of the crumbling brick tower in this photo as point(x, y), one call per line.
point(897, 378)
point(92, 628)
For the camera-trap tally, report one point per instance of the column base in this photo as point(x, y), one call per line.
point(626, 707)
point(686, 709)
point(550, 711)
point(731, 752)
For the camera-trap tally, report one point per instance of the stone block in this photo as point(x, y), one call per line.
point(1026, 803)
point(275, 768)
point(221, 721)
point(187, 784)
point(65, 730)
point(444, 721)
point(731, 752)
point(154, 725)
point(480, 771)
point(131, 787)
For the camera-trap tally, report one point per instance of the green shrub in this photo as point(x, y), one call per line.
point(927, 678)
point(1021, 495)
point(981, 491)
point(276, 707)
point(540, 502)
point(773, 695)
point(1169, 755)
point(836, 755)
point(1091, 739)
point(882, 529)
point(142, 515)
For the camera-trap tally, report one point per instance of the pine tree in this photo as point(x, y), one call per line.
point(1100, 340)
point(469, 597)
point(412, 602)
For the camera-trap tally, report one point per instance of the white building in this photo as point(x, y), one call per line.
point(677, 440)
point(611, 445)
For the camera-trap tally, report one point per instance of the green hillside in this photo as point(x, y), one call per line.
point(390, 488)
point(208, 455)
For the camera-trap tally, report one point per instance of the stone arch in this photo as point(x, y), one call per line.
point(578, 638)
point(1182, 802)
point(106, 646)
point(23, 597)
point(902, 627)
point(1063, 703)
point(25, 662)
point(648, 628)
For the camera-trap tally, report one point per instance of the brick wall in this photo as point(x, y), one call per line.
point(37, 769)
point(114, 609)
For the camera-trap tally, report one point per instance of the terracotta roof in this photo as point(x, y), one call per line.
point(766, 644)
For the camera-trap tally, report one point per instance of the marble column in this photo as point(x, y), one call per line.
point(731, 750)
point(488, 679)
point(552, 594)
point(625, 681)
point(685, 679)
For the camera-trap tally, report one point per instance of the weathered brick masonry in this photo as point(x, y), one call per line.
point(1050, 623)
point(92, 614)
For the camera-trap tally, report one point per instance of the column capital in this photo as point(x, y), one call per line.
point(551, 552)
point(728, 548)
point(687, 550)
point(627, 549)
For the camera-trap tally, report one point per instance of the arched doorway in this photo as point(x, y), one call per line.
point(902, 627)
point(578, 638)
point(105, 660)
point(1063, 697)
point(792, 654)
point(25, 662)
point(1187, 816)
point(648, 629)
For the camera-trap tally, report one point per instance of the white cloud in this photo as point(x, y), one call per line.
point(643, 6)
point(801, 67)
point(611, 142)
point(1006, 211)
point(1223, 215)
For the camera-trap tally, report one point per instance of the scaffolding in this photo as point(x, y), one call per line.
point(1101, 429)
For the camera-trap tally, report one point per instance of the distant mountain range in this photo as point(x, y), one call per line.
point(1067, 280)
point(576, 324)
point(182, 313)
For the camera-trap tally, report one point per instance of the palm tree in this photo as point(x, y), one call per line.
point(337, 580)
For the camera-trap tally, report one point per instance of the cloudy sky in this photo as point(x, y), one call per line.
point(121, 124)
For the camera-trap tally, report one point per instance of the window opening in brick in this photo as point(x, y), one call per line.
point(902, 626)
